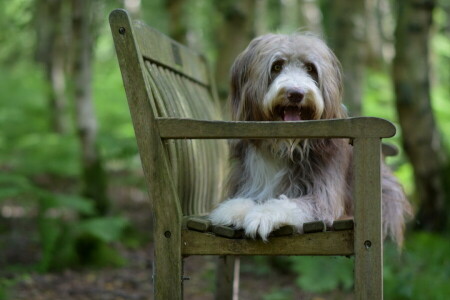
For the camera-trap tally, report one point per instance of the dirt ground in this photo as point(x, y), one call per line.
point(133, 282)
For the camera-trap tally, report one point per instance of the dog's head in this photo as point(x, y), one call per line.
point(286, 78)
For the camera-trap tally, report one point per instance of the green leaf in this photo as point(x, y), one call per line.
point(323, 274)
point(80, 204)
point(107, 229)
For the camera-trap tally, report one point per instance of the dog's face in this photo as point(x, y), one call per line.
point(286, 78)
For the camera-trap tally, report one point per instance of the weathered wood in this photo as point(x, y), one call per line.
point(197, 166)
point(343, 224)
point(199, 224)
point(283, 231)
point(173, 128)
point(321, 243)
point(228, 232)
point(368, 233)
point(164, 51)
point(167, 229)
point(227, 277)
point(311, 227)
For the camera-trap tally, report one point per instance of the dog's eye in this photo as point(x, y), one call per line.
point(312, 71)
point(277, 66)
point(310, 68)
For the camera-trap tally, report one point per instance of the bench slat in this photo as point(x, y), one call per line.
point(343, 224)
point(172, 128)
point(197, 166)
point(311, 227)
point(199, 224)
point(320, 243)
point(160, 49)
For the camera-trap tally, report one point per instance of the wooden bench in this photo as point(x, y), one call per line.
point(180, 137)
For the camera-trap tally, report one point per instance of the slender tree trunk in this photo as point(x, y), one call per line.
point(261, 15)
point(386, 24)
point(233, 37)
point(51, 53)
point(421, 138)
point(374, 35)
point(134, 7)
point(290, 14)
point(177, 24)
point(94, 180)
point(310, 16)
point(347, 37)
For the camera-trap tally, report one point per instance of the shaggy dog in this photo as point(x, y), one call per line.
point(289, 182)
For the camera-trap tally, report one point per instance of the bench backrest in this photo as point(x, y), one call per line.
point(178, 84)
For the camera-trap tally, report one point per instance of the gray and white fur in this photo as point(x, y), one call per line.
point(289, 182)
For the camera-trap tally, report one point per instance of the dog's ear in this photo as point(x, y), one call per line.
point(239, 76)
point(331, 86)
point(245, 69)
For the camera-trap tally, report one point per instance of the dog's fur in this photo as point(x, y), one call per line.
point(289, 182)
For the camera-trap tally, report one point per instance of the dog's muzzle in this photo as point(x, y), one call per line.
point(293, 107)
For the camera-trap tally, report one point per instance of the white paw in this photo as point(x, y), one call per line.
point(231, 212)
point(271, 215)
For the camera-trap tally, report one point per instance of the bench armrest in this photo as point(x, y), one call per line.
point(360, 127)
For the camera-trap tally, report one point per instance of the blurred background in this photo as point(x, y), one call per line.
point(75, 221)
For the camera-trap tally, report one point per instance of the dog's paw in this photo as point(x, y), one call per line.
point(231, 212)
point(271, 215)
point(258, 222)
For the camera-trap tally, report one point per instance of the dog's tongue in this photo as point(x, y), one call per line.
point(291, 113)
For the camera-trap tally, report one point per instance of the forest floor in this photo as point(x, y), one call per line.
point(133, 280)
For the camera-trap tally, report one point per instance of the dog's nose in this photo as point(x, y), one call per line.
point(295, 95)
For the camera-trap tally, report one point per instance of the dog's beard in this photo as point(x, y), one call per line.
point(296, 150)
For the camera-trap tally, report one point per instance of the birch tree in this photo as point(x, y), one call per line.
point(311, 16)
point(83, 30)
point(50, 52)
point(234, 34)
point(347, 37)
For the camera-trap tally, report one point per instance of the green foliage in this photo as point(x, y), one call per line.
point(422, 271)
point(43, 168)
point(379, 101)
point(16, 37)
point(323, 274)
point(5, 285)
point(279, 294)
point(441, 77)
point(107, 229)
point(67, 240)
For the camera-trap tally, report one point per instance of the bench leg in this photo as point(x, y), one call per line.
point(167, 267)
point(227, 278)
point(368, 233)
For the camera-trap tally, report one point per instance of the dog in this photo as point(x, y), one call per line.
point(280, 182)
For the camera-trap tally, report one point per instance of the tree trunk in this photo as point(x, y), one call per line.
point(310, 16)
point(421, 138)
point(50, 52)
point(290, 13)
point(374, 35)
point(261, 17)
point(94, 179)
point(347, 37)
point(133, 7)
point(177, 24)
point(235, 33)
